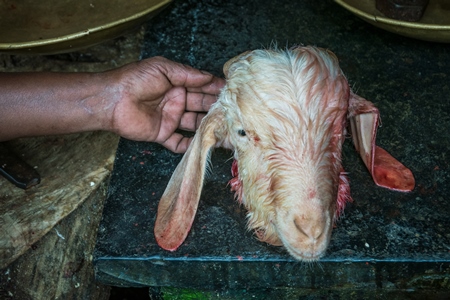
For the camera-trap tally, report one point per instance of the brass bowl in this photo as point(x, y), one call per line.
point(55, 26)
point(434, 25)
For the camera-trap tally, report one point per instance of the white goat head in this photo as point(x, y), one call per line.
point(284, 114)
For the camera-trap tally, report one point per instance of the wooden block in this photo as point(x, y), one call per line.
point(59, 266)
point(71, 168)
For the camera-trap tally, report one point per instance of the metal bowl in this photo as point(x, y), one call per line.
point(55, 26)
point(434, 25)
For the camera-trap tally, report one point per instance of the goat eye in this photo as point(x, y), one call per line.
point(241, 132)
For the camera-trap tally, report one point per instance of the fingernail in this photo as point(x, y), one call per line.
point(206, 73)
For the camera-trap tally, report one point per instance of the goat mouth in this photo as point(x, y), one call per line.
point(303, 247)
point(307, 256)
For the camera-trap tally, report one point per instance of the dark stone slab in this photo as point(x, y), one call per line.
point(386, 239)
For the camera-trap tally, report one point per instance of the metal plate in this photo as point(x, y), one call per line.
point(434, 25)
point(54, 26)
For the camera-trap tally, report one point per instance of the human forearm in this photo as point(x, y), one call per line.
point(143, 101)
point(55, 103)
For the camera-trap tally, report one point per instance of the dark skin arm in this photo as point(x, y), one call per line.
point(143, 101)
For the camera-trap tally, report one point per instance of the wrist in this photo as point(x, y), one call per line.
point(101, 106)
point(113, 94)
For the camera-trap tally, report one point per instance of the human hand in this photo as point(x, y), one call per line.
point(160, 96)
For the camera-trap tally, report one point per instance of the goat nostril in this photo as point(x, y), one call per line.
point(318, 234)
point(299, 227)
point(312, 232)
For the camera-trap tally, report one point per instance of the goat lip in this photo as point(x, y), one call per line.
point(305, 255)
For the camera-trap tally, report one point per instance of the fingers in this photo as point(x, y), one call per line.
point(212, 87)
point(177, 143)
point(177, 102)
point(190, 121)
point(199, 102)
point(186, 76)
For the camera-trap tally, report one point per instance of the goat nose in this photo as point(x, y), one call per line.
point(308, 227)
point(305, 235)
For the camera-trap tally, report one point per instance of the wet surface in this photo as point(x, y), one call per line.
point(385, 239)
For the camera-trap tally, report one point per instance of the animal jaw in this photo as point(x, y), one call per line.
point(284, 114)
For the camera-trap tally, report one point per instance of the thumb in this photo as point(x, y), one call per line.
point(183, 75)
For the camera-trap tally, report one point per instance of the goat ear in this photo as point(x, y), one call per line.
point(178, 205)
point(230, 66)
point(386, 171)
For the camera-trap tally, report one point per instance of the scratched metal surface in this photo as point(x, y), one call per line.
point(385, 239)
